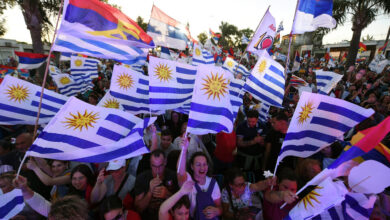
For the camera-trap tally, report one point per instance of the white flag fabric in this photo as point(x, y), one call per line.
point(230, 65)
point(109, 101)
point(53, 70)
point(211, 109)
point(236, 95)
point(88, 133)
point(264, 35)
point(11, 204)
point(326, 81)
point(70, 85)
point(82, 66)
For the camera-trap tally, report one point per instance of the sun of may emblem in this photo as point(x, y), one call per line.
point(52, 69)
point(125, 81)
point(163, 72)
point(215, 86)
point(304, 114)
point(262, 66)
point(310, 197)
point(230, 64)
point(111, 103)
point(197, 52)
point(17, 93)
point(78, 62)
point(64, 80)
point(80, 121)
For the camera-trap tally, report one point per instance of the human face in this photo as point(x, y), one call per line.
point(313, 170)
point(182, 213)
point(115, 214)
point(79, 181)
point(6, 185)
point(166, 141)
point(288, 185)
point(58, 167)
point(175, 117)
point(200, 167)
point(116, 174)
point(280, 125)
point(238, 186)
point(158, 165)
point(23, 142)
point(252, 122)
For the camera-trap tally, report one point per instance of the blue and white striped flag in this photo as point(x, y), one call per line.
point(266, 83)
point(53, 70)
point(19, 102)
point(236, 95)
point(165, 53)
point(243, 70)
point(109, 101)
point(211, 110)
point(65, 56)
point(355, 206)
point(318, 121)
point(70, 85)
point(131, 88)
point(244, 40)
point(326, 81)
point(263, 112)
point(229, 65)
point(88, 133)
point(82, 66)
point(170, 84)
point(11, 204)
point(201, 56)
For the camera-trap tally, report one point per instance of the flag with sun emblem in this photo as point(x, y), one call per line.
point(318, 121)
point(53, 70)
point(82, 66)
point(324, 196)
point(211, 109)
point(109, 101)
point(229, 65)
point(326, 80)
point(170, 84)
point(88, 133)
point(131, 88)
point(264, 35)
point(201, 56)
point(236, 95)
point(19, 102)
point(266, 82)
point(243, 70)
point(70, 85)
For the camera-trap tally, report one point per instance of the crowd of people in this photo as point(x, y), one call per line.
point(186, 176)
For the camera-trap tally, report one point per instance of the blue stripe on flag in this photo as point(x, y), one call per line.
point(142, 91)
point(309, 134)
point(321, 84)
point(144, 82)
point(206, 125)
point(262, 96)
point(341, 111)
point(120, 121)
point(51, 98)
point(211, 110)
point(5, 209)
point(276, 70)
point(22, 111)
point(185, 81)
point(186, 71)
point(299, 148)
point(129, 98)
point(81, 70)
point(324, 77)
point(266, 87)
point(330, 123)
point(170, 90)
point(354, 204)
point(274, 81)
point(111, 48)
point(168, 101)
point(5, 119)
point(333, 213)
point(67, 139)
point(44, 150)
point(134, 109)
point(74, 47)
point(44, 106)
point(104, 132)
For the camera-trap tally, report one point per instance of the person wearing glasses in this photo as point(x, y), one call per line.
point(112, 208)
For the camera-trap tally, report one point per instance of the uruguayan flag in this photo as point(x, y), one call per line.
point(244, 40)
point(109, 101)
point(263, 112)
point(11, 204)
point(201, 56)
point(70, 85)
point(53, 70)
point(318, 121)
point(243, 70)
point(80, 66)
point(236, 95)
point(165, 53)
point(131, 88)
point(230, 65)
point(87, 133)
point(324, 196)
point(312, 14)
point(355, 206)
point(170, 84)
point(211, 109)
point(19, 101)
point(326, 81)
point(65, 56)
point(266, 83)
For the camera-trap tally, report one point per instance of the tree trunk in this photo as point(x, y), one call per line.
point(354, 47)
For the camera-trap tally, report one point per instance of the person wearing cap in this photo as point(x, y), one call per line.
point(113, 180)
point(154, 186)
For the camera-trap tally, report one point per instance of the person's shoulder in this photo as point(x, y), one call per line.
point(147, 174)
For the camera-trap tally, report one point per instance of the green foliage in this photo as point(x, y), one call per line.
point(202, 37)
point(141, 23)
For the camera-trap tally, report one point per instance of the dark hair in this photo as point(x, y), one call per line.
point(69, 208)
point(110, 203)
point(232, 174)
point(252, 114)
point(182, 201)
point(192, 159)
point(157, 153)
point(6, 145)
point(287, 174)
point(281, 117)
point(86, 171)
point(166, 132)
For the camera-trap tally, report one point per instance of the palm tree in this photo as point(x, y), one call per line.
point(227, 31)
point(363, 13)
point(368, 38)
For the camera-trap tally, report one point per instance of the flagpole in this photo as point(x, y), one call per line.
point(43, 83)
point(289, 42)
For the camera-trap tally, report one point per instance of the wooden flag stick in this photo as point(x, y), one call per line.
point(289, 42)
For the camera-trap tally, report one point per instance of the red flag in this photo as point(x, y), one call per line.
point(382, 49)
point(362, 47)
